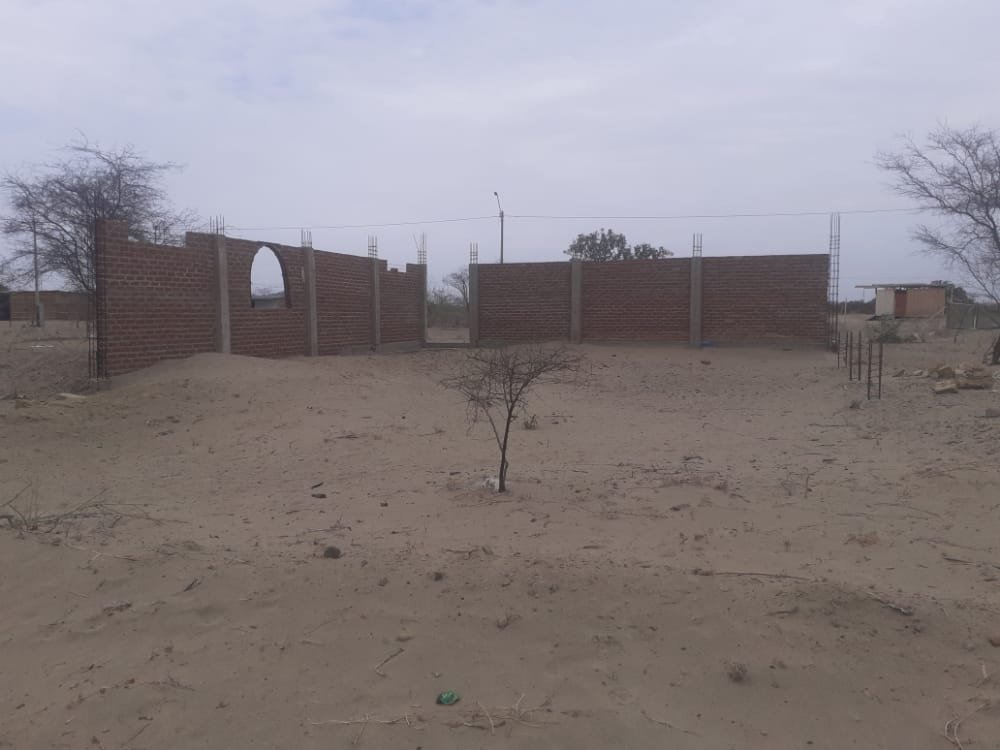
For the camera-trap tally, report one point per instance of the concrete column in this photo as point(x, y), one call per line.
point(474, 304)
point(222, 296)
point(423, 304)
point(376, 309)
point(695, 336)
point(576, 300)
point(312, 318)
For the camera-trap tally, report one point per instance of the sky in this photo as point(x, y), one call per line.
point(326, 113)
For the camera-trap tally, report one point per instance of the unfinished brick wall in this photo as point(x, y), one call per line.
point(343, 301)
point(266, 332)
point(641, 300)
point(766, 298)
point(402, 303)
point(57, 305)
point(524, 301)
point(743, 299)
point(160, 301)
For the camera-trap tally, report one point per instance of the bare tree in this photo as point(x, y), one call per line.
point(459, 281)
point(496, 384)
point(58, 204)
point(956, 174)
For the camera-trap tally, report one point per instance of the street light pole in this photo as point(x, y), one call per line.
point(501, 224)
point(37, 322)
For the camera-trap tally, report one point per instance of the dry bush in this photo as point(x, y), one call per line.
point(496, 384)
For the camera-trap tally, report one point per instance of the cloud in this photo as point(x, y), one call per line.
point(312, 112)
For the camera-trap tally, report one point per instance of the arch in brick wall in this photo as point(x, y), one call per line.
point(268, 281)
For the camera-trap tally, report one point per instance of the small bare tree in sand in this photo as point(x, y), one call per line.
point(496, 384)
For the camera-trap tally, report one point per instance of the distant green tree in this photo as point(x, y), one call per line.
point(606, 244)
point(955, 292)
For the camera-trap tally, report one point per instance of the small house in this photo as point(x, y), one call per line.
point(908, 300)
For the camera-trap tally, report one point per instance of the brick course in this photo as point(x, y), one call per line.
point(524, 301)
point(402, 301)
point(765, 298)
point(636, 300)
point(58, 305)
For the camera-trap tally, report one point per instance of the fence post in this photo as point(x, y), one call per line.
point(576, 300)
point(222, 296)
point(474, 304)
point(695, 298)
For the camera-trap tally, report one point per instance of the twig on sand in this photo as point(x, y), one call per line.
point(386, 660)
point(488, 717)
point(128, 742)
point(367, 719)
point(706, 572)
point(952, 725)
point(668, 724)
point(905, 611)
point(361, 734)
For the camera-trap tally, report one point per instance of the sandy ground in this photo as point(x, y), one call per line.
point(699, 549)
point(38, 362)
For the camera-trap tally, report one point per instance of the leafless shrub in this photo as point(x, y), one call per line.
point(496, 384)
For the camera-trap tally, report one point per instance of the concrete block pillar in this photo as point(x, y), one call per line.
point(474, 304)
point(222, 323)
point(376, 306)
point(423, 303)
point(576, 300)
point(695, 335)
point(312, 316)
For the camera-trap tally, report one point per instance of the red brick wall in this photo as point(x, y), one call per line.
point(402, 299)
point(343, 301)
point(637, 300)
point(524, 301)
point(745, 299)
point(765, 298)
point(266, 332)
point(58, 305)
point(159, 300)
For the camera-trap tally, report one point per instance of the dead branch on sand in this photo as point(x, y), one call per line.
point(952, 725)
point(28, 516)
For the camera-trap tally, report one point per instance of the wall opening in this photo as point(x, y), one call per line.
point(268, 281)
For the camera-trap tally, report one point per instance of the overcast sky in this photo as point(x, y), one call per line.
point(298, 113)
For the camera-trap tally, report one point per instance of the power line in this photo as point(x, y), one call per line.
point(561, 217)
point(366, 226)
point(668, 217)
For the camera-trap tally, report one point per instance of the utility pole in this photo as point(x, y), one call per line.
point(501, 224)
point(37, 322)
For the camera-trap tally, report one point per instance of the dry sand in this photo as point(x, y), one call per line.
point(699, 549)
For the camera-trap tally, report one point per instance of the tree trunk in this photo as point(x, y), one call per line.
point(995, 354)
point(502, 478)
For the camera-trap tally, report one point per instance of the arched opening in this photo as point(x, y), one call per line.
point(268, 281)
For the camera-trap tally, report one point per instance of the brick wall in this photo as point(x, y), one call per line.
point(524, 301)
point(343, 301)
point(765, 298)
point(159, 300)
point(266, 332)
point(746, 299)
point(402, 301)
point(58, 305)
point(640, 300)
